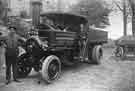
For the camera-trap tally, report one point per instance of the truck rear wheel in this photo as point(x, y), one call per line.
point(97, 54)
point(119, 52)
point(51, 69)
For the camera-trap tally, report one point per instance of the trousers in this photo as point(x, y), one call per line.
point(2, 57)
point(11, 63)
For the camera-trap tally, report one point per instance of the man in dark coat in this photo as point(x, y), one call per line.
point(11, 53)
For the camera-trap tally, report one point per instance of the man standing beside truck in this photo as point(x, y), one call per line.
point(11, 42)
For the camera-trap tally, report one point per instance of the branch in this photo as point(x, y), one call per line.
point(130, 1)
point(118, 6)
point(131, 4)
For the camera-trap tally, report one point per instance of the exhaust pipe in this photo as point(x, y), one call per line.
point(36, 9)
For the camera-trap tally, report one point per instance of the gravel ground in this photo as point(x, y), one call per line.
point(112, 75)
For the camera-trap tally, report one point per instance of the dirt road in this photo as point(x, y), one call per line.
point(112, 75)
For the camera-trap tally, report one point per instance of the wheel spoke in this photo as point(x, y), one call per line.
point(53, 70)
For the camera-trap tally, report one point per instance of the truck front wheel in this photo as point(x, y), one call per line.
point(51, 69)
point(97, 54)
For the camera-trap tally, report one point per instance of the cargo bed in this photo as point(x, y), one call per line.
point(126, 41)
point(97, 36)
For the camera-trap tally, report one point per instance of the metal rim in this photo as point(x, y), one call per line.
point(119, 52)
point(100, 54)
point(53, 69)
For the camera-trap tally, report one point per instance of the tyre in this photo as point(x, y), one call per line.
point(119, 52)
point(97, 54)
point(51, 69)
point(23, 69)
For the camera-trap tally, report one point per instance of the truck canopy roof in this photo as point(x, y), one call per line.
point(66, 18)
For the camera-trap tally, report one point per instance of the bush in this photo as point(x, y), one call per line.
point(23, 14)
point(110, 44)
point(22, 27)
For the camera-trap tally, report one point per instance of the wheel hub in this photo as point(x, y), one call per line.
point(53, 70)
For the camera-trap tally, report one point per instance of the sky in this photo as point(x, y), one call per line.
point(115, 30)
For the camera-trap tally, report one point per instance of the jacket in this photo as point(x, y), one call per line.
point(11, 44)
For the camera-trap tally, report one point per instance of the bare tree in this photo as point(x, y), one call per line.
point(3, 10)
point(123, 7)
point(97, 12)
point(132, 5)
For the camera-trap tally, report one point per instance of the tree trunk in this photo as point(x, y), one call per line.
point(124, 18)
point(3, 11)
point(125, 25)
point(132, 4)
point(133, 20)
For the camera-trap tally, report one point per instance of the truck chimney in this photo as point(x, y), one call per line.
point(36, 9)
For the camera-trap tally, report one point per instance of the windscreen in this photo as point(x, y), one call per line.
point(61, 24)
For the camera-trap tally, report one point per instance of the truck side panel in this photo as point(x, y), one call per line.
point(97, 36)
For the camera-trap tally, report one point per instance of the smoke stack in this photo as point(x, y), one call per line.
point(36, 9)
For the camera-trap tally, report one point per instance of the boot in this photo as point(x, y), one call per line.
point(7, 82)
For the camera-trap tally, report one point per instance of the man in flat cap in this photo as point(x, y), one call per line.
point(11, 42)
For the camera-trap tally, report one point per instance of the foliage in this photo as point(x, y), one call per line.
point(110, 44)
point(23, 14)
point(132, 5)
point(119, 6)
point(22, 27)
point(96, 11)
point(2, 8)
